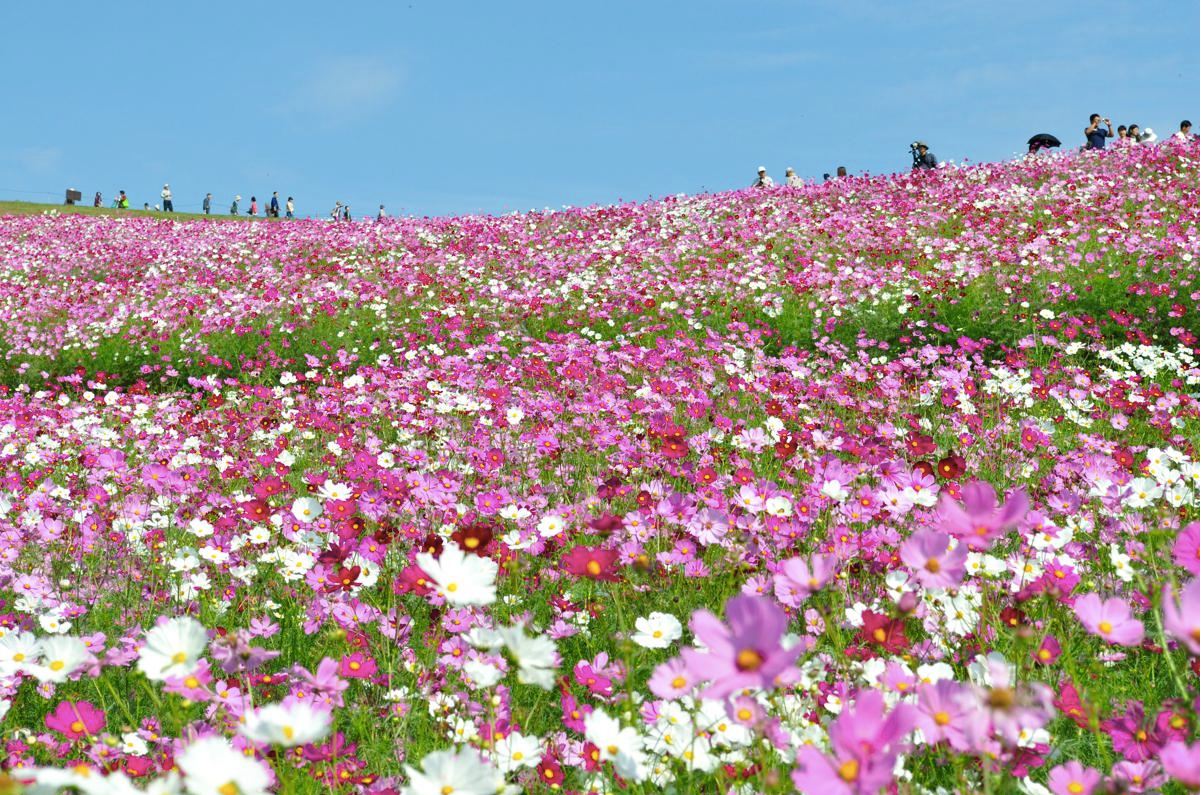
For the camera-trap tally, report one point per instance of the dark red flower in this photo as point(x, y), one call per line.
point(882, 632)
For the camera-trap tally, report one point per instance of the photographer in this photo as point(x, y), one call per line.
point(1094, 134)
point(922, 156)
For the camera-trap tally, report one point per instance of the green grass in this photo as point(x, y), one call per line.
point(14, 207)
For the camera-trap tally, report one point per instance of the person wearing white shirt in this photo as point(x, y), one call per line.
point(168, 207)
point(763, 181)
point(1185, 132)
point(791, 179)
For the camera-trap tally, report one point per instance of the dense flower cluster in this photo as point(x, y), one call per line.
point(887, 482)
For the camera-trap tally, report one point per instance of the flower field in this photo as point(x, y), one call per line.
point(887, 484)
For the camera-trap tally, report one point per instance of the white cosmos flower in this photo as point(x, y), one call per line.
point(306, 509)
point(534, 655)
point(459, 578)
point(481, 674)
point(517, 751)
point(211, 766)
point(551, 526)
point(657, 631)
point(61, 657)
point(18, 651)
point(621, 746)
point(288, 724)
point(461, 772)
point(779, 507)
point(330, 490)
point(173, 648)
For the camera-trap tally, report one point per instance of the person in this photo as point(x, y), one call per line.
point(1121, 132)
point(1095, 136)
point(336, 213)
point(233, 208)
point(923, 158)
point(381, 215)
point(842, 172)
point(826, 177)
point(763, 181)
point(98, 200)
point(123, 201)
point(290, 208)
point(168, 207)
point(1183, 134)
point(1134, 134)
point(791, 179)
point(345, 212)
point(207, 204)
point(274, 211)
point(1148, 136)
point(146, 206)
point(254, 206)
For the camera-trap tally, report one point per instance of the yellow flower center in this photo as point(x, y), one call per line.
point(179, 658)
point(933, 566)
point(942, 718)
point(57, 665)
point(849, 771)
point(593, 568)
point(77, 726)
point(1105, 627)
point(454, 586)
point(679, 682)
point(748, 660)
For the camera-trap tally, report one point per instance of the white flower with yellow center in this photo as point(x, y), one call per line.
point(288, 724)
point(173, 648)
point(459, 578)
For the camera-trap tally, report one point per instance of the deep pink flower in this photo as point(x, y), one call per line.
point(934, 564)
point(357, 666)
point(747, 653)
point(1073, 778)
point(1183, 619)
point(1133, 736)
point(1110, 619)
point(980, 520)
point(76, 719)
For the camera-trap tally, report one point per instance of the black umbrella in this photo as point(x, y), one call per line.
point(1043, 141)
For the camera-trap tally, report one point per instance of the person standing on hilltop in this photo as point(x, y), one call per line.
point(923, 158)
point(122, 201)
point(791, 179)
point(763, 180)
point(254, 206)
point(290, 208)
point(207, 204)
point(168, 206)
point(98, 200)
point(233, 208)
point(1093, 133)
point(273, 211)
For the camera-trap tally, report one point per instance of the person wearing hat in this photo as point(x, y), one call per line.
point(233, 208)
point(168, 207)
point(924, 158)
point(763, 181)
point(791, 179)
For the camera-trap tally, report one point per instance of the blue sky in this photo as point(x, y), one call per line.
point(438, 108)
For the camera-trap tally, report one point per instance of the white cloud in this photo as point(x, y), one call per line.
point(344, 89)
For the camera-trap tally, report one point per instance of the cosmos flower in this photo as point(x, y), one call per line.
point(657, 631)
point(745, 653)
point(461, 772)
point(459, 578)
point(290, 723)
point(1110, 619)
point(172, 648)
point(211, 766)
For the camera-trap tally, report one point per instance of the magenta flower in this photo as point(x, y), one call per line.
point(980, 521)
point(864, 745)
point(798, 578)
point(747, 653)
point(934, 564)
point(1073, 778)
point(1183, 619)
point(76, 719)
point(1111, 619)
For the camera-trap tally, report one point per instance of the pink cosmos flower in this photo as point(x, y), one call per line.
point(1182, 762)
point(947, 712)
point(1110, 619)
point(747, 653)
point(76, 719)
point(671, 680)
point(934, 564)
point(798, 578)
point(1073, 778)
point(1183, 619)
point(981, 521)
point(864, 744)
point(1187, 549)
